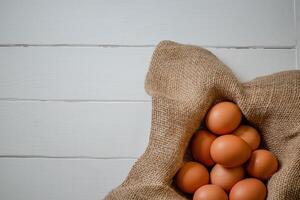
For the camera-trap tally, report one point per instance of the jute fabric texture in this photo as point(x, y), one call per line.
point(184, 81)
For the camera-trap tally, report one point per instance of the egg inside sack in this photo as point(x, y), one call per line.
point(226, 177)
point(191, 176)
point(262, 164)
point(223, 118)
point(249, 135)
point(248, 189)
point(227, 162)
point(230, 151)
point(210, 192)
point(201, 147)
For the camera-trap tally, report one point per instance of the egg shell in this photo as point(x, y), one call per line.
point(249, 135)
point(191, 176)
point(210, 192)
point(230, 151)
point(223, 118)
point(262, 164)
point(248, 189)
point(201, 147)
point(226, 177)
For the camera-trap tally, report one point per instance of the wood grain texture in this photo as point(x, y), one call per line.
point(74, 73)
point(64, 129)
point(214, 23)
point(64, 73)
point(60, 179)
point(75, 127)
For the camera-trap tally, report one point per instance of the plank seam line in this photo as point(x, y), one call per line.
point(143, 46)
point(70, 157)
point(75, 100)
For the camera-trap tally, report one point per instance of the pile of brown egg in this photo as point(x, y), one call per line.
point(228, 163)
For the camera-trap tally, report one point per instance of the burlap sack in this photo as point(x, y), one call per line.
point(184, 81)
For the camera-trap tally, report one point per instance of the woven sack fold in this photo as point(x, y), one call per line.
point(184, 82)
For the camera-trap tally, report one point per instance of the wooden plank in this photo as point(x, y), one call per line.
point(59, 129)
point(74, 73)
point(214, 23)
point(60, 179)
point(250, 63)
point(109, 73)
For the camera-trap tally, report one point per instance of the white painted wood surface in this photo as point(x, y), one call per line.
point(74, 73)
point(73, 111)
point(66, 129)
point(84, 127)
point(51, 179)
point(135, 22)
point(60, 73)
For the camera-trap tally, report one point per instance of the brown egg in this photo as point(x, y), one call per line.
point(226, 177)
point(249, 135)
point(230, 151)
point(210, 192)
point(262, 164)
point(248, 189)
point(191, 176)
point(223, 118)
point(201, 147)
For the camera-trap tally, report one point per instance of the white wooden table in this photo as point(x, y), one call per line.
point(73, 112)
